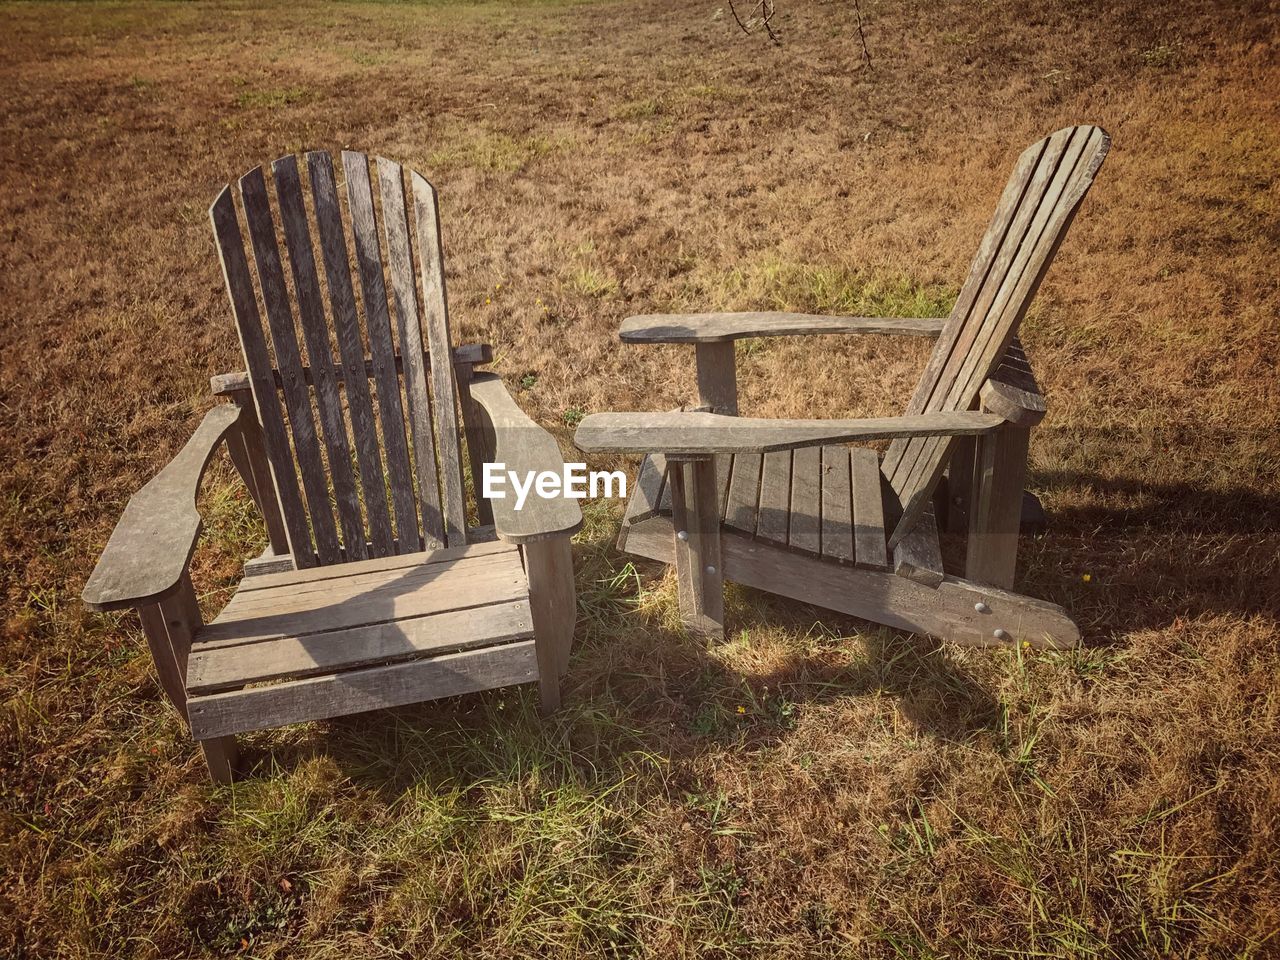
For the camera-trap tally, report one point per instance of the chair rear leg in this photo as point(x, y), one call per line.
point(995, 515)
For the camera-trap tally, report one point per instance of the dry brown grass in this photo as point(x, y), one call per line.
point(875, 795)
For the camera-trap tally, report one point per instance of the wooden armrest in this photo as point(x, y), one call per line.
point(702, 434)
point(152, 544)
point(719, 327)
point(1012, 391)
point(523, 446)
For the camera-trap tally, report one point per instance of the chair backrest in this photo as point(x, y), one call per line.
point(397, 494)
point(1048, 183)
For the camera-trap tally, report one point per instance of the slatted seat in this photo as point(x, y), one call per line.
point(374, 591)
point(307, 645)
point(822, 501)
point(785, 506)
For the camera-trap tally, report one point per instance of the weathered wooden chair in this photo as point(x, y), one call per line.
point(370, 611)
point(779, 505)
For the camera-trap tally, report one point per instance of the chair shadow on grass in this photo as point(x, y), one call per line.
point(1155, 553)
point(651, 688)
point(639, 688)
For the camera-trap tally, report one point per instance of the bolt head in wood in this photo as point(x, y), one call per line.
point(981, 607)
point(711, 571)
point(1001, 634)
point(682, 534)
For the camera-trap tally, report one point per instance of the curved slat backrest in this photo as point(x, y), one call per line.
point(1038, 204)
point(391, 500)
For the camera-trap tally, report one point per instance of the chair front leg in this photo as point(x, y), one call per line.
point(995, 509)
point(699, 573)
point(170, 627)
point(553, 599)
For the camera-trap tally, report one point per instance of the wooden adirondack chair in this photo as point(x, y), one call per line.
point(779, 505)
point(400, 600)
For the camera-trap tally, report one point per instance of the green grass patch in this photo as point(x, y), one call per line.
point(828, 289)
point(494, 151)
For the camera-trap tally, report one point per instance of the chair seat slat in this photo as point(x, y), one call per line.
point(837, 504)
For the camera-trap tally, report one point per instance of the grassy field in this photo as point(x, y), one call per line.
point(812, 788)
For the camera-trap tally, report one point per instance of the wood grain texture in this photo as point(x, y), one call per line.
point(465, 354)
point(908, 475)
point(743, 501)
point(918, 556)
point(948, 611)
point(774, 514)
point(717, 377)
point(361, 586)
point(346, 324)
point(253, 346)
point(868, 510)
point(804, 530)
point(996, 513)
point(373, 293)
point(837, 505)
point(479, 438)
point(412, 593)
point(721, 327)
point(225, 668)
point(1049, 184)
point(435, 306)
point(156, 633)
point(646, 492)
point(1012, 391)
point(553, 604)
point(319, 372)
point(706, 433)
point(357, 691)
point(523, 446)
point(987, 321)
point(959, 487)
point(221, 756)
point(395, 223)
point(249, 455)
point(295, 579)
point(699, 570)
point(275, 296)
point(149, 549)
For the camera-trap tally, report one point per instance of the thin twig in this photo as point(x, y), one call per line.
point(761, 15)
point(862, 36)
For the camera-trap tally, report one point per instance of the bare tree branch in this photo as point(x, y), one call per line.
point(761, 16)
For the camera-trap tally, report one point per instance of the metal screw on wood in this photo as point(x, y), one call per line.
point(682, 534)
point(981, 607)
point(1001, 634)
point(711, 571)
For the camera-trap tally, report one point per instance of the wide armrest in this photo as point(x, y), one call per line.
point(152, 544)
point(524, 448)
point(694, 434)
point(719, 327)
